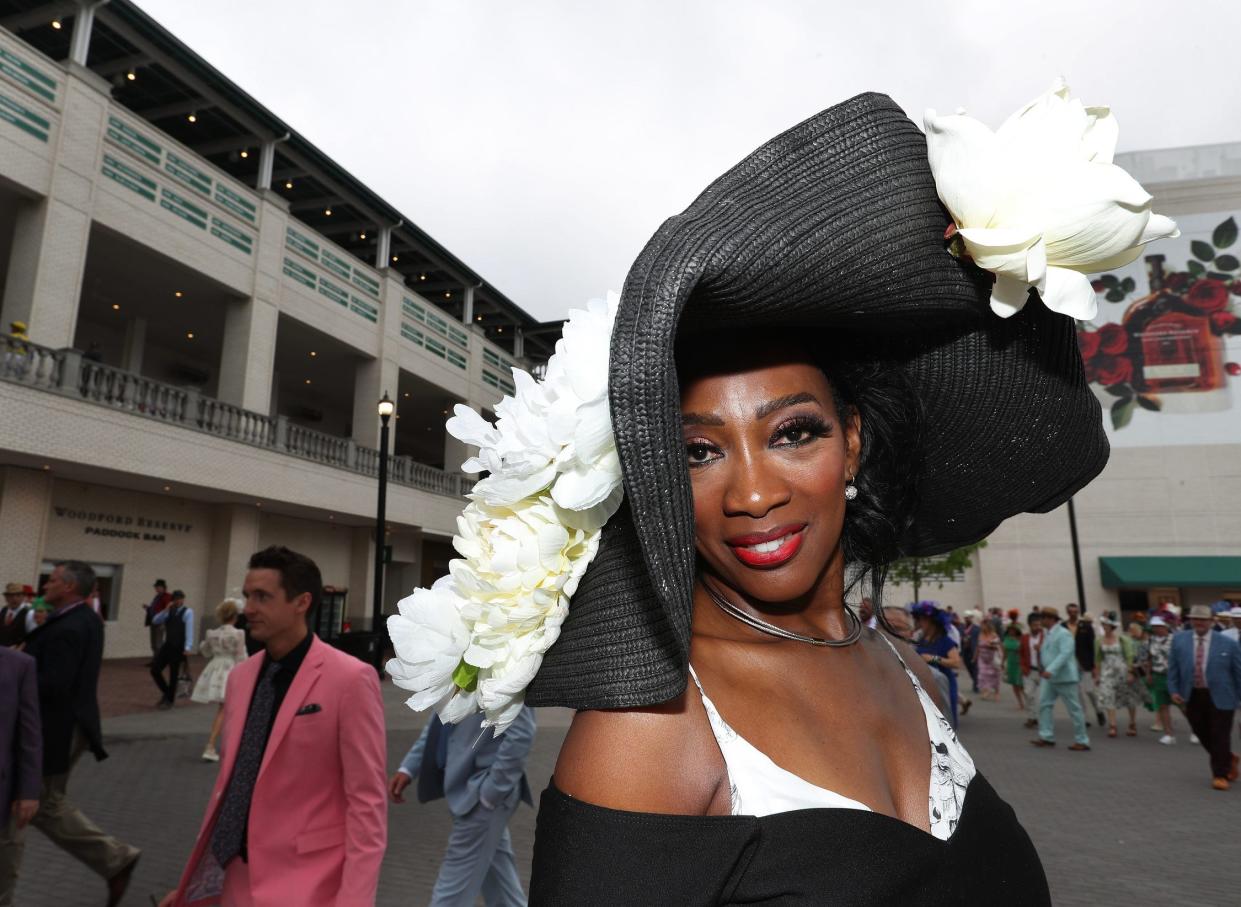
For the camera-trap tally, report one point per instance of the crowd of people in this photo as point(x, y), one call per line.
point(1155, 663)
point(266, 837)
point(51, 665)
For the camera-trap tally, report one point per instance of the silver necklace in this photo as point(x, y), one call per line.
point(855, 633)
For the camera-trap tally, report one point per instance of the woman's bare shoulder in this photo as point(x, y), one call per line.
point(920, 668)
point(656, 759)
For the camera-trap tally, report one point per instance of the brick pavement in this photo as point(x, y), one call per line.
point(1129, 823)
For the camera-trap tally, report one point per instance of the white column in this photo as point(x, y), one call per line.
point(48, 255)
point(371, 380)
point(83, 24)
point(361, 572)
point(135, 344)
point(267, 161)
point(250, 327)
point(467, 306)
point(519, 343)
point(46, 264)
point(455, 453)
point(25, 500)
point(234, 537)
point(383, 248)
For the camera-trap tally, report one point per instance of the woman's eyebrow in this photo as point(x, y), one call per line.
point(701, 419)
point(779, 403)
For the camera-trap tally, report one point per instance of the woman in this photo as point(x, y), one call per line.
point(1141, 656)
point(939, 650)
point(990, 652)
point(802, 386)
point(1158, 650)
point(225, 646)
point(1014, 666)
point(1114, 674)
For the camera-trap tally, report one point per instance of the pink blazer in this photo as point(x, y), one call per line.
point(318, 814)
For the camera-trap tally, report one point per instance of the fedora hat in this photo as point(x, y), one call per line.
point(14, 589)
point(1201, 612)
point(833, 226)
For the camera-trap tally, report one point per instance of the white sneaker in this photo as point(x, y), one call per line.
point(1167, 740)
point(211, 755)
point(1193, 738)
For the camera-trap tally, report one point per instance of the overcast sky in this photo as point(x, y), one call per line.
point(543, 141)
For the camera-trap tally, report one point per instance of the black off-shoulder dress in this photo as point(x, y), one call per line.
point(590, 855)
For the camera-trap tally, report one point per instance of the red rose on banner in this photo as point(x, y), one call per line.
point(1113, 339)
point(1207, 295)
point(1114, 370)
point(1088, 343)
point(1092, 371)
point(1176, 281)
point(1225, 323)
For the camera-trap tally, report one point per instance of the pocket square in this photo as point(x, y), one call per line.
point(309, 709)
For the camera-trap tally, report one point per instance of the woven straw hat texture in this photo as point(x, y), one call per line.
point(836, 225)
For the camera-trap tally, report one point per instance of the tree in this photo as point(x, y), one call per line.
point(938, 568)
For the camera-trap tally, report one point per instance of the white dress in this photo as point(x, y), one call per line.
point(226, 647)
point(760, 787)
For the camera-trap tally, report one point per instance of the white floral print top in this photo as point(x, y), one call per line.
point(759, 787)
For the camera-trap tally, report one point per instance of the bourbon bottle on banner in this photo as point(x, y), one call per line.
point(1182, 361)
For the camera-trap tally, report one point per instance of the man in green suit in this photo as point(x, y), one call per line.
point(1060, 679)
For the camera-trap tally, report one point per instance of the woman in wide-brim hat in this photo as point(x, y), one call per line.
point(805, 382)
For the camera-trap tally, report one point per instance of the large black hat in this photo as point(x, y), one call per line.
point(834, 224)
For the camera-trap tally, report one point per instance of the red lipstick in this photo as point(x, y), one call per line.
point(768, 549)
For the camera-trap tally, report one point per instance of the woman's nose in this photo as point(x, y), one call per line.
point(754, 488)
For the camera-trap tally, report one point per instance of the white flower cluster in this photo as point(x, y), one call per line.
point(1039, 202)
point(476, 638)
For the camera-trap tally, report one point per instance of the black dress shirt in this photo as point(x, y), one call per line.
point(281, 682)
point(289, 666)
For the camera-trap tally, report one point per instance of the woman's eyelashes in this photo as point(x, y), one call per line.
point(800, 429)
point(700, 453)
point(795, 431)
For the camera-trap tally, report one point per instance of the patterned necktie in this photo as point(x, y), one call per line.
point(230, 825)
point(1200, 678)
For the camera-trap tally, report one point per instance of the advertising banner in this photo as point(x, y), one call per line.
point(1164, 353)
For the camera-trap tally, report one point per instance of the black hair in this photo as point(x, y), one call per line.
point(298, 573)
point(889, 465)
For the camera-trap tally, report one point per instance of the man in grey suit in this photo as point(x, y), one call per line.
point(483, 778)
point(21, 760)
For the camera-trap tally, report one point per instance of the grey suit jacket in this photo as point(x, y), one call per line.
point(476, 767)
point(21, 735)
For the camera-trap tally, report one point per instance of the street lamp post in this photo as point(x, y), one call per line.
point(1077, 557)
point(386, 408)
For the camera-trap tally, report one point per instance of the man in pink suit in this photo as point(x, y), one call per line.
point(298, 814)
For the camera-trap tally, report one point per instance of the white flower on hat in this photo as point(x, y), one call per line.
point(475, 640)
point(1039, 202)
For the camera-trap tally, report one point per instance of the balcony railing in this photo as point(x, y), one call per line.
point(67, 372)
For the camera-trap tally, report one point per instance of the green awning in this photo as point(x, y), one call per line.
point(1144, 572)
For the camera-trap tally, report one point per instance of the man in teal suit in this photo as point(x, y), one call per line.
point(1060, 680)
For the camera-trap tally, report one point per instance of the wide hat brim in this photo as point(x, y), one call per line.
point(836, 225)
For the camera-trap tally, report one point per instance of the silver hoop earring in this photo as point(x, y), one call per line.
point(850, 490)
